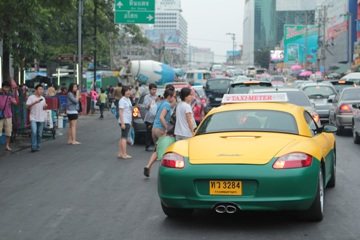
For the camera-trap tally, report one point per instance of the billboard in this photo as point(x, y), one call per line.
point(277, 55)
point(337, 32)
point(170, 38)
point(231, 53)
point(300, 44)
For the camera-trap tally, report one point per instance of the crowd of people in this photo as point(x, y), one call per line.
point(168, 118)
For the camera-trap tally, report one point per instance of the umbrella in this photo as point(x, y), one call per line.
point(305, 74)
point(296, 67)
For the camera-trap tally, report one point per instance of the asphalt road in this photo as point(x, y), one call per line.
point(84, 192)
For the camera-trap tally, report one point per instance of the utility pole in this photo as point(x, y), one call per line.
point(95, 38)
point(79, 72)
point(233, 35)
point(322, 21)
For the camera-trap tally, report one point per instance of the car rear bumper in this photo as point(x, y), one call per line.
point(344, 120)
point(264, 188)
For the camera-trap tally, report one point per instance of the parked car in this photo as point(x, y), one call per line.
point(319, 94)
point(356, 123)
point(341, 112)
point(215, 89)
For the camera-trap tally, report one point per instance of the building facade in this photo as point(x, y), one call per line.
point(169, 33)
point(200, 57)
point(264, 22)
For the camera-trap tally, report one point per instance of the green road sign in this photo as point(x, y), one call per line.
point(135, 11)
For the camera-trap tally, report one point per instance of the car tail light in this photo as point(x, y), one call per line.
point(293, 160)
point(136, 112)
point(173, 160)
point(345, 108)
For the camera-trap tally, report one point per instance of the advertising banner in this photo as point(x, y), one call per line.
point(300, 44)
point(170, 38)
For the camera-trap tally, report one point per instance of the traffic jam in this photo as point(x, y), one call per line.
point(263, 143)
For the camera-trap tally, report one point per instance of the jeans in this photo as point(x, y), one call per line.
point(102, 107)
point(36, 134)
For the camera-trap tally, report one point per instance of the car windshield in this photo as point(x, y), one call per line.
point(316, 91)
point(249, 120)
point(245, 88)
point(351, 94)
point(200, 92)
point(218, 84)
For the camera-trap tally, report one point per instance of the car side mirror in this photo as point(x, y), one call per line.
point(331, 99)
point(329, 129)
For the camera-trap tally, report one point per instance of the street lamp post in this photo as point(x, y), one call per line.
point(233, 35)
point(79, 66)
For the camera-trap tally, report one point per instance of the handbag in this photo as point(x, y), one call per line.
point(2, 111)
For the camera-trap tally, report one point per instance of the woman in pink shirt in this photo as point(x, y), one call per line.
point(6, 99)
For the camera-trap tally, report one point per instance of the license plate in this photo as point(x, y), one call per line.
point(218, 99)
point(233, 188)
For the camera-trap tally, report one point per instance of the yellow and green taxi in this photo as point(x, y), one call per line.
point(255, 152)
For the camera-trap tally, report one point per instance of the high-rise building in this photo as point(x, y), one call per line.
point(259, 28)
point(264, 22)
point(169, 33)
point(337, 20)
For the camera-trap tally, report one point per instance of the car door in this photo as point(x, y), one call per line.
point(333, 107)
point(323, 141)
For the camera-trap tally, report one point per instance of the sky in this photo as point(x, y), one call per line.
point(210, 20)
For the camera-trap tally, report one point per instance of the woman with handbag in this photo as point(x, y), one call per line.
point(72, 110)
point(6, 113)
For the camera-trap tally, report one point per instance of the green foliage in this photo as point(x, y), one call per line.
point(44, 29)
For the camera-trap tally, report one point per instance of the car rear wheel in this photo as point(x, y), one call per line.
point(332, 181)
point(316, 211)
point(340, 130)
point(356, 136)
point(176, 212)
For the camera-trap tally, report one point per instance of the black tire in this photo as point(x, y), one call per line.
point(356, 136)
point(176, 212)
point(332, 181)
point(316, 212)
point(340, 130)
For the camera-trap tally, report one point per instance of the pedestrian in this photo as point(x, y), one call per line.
point(36, 104)
point(72, 110)
point(94, 96)
point(150, 108)
point(161, 123)
point(6, 100)
point(102, 99)
point(125, 120)
point(185, 121)
point(51, 92)
point(117, 94)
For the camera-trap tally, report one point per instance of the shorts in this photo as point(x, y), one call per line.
point(125, 132)
point(6, 124)
point(72, 117)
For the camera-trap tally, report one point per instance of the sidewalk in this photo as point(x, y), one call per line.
point(24, 142)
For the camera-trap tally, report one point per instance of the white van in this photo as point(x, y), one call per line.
point(197, 77)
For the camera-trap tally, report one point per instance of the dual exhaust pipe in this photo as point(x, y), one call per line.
point(226, 208)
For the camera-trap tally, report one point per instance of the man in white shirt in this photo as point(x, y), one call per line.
point(37, 105)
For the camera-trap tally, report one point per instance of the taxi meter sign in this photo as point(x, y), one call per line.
point(259, 97)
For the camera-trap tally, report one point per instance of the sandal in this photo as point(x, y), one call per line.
point(146, 172)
